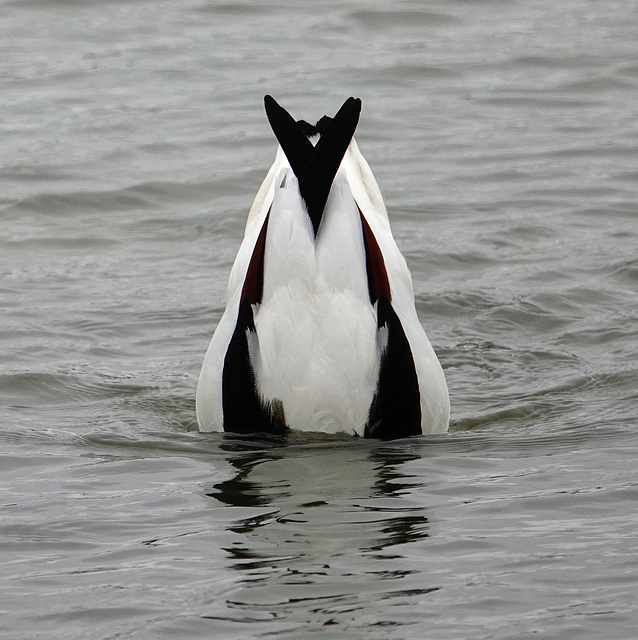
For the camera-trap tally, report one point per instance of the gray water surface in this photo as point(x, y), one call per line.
point(504, 136)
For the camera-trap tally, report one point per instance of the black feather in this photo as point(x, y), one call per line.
point(315, 167)
point(395, 411)
point(244, 409)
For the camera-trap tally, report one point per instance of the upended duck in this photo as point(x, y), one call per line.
point(320, 331)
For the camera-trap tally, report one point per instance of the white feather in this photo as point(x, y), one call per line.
point(316, 328)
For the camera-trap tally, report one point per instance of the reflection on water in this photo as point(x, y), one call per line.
point(312, 539)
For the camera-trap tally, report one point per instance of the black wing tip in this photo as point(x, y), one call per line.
point(350, 104)
point(353, 105)
point(274, 109)
point(351, 109)
point(294, 143)
point(270, 104)
point(315, 166)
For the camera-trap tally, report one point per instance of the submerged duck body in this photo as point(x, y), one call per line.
point(320, 331)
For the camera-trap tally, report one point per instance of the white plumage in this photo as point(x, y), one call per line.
point(312, 348)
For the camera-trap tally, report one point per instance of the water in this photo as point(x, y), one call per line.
point(504, 137)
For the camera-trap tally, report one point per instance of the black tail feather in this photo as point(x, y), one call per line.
point(314, 166)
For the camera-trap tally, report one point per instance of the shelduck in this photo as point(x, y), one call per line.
point(320, 331)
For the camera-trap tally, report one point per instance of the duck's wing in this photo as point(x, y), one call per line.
point(412, 394)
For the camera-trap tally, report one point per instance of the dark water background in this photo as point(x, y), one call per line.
point(504, 136)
